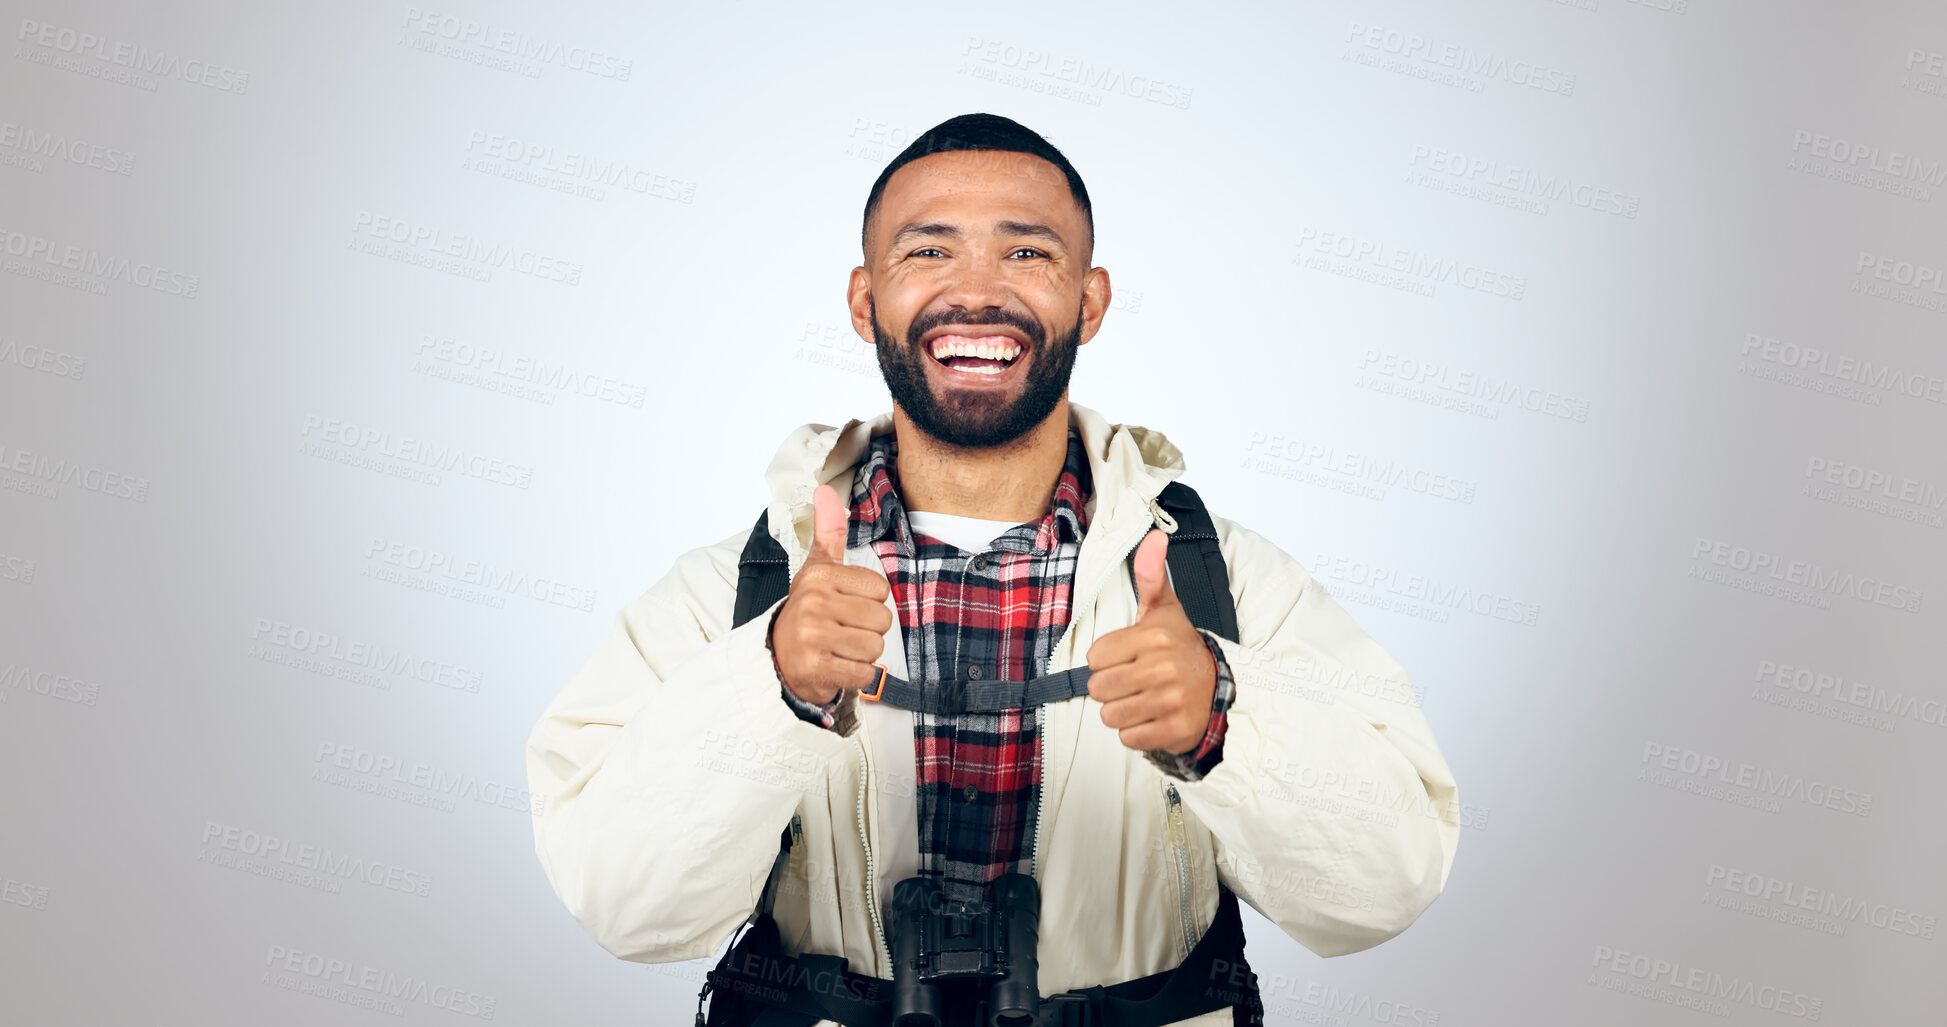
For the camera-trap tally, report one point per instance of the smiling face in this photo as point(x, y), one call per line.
point(977, 291)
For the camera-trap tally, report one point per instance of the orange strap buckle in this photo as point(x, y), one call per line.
point(878, 687)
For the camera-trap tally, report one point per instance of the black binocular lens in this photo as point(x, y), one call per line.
point(915, 1003)
point(1016, 998)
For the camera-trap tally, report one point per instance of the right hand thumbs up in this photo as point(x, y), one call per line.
point(833, 623)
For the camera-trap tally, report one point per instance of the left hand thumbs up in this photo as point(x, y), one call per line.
point(1155, 678)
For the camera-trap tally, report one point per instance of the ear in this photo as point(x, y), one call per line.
point(858, 300)
point(1096, 295)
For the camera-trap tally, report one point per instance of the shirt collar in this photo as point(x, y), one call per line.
point(877, 511)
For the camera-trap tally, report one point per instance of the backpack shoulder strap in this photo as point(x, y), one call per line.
point(1196, 564)
point(763, 578)
point(763, 573)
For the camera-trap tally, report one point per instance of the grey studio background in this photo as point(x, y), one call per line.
point(358, 363)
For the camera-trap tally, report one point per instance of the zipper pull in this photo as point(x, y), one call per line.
point(1161, 516)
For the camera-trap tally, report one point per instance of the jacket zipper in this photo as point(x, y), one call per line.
point(1177, 841)
point(1074, 612)
point(871, 871)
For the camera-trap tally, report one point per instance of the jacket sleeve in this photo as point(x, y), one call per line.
point(668, 767)
point(1333, 811)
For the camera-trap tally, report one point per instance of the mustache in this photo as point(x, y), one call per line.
point(1027, 324)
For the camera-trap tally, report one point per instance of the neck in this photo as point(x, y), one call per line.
point(1010, 482)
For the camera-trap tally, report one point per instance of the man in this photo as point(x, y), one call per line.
point(983, 529)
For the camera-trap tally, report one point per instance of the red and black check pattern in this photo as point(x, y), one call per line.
point(996, 614)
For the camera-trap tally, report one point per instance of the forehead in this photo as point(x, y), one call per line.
point(975, 182)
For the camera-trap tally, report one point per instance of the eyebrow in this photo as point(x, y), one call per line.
point(939, 229)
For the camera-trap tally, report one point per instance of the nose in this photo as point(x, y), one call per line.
point(976, 285)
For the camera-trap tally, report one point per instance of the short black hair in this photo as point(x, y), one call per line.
point(980, 132)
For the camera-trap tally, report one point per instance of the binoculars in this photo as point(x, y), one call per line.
point(936, 941)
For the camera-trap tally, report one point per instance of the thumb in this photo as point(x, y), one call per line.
point(828, 515)
point(1153, 590)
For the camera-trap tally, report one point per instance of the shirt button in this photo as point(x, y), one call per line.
point(980, 562)
point(969, 792)
point(973, 672)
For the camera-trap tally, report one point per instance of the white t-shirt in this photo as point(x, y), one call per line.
point(970, 534)
point(895, 763)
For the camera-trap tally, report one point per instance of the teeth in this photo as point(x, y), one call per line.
point(959, 346)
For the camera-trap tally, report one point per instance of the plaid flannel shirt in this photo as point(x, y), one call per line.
point(1001, 610)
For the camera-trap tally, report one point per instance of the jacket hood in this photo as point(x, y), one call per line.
point(1130, 464)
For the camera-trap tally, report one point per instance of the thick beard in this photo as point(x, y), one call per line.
point(973, 419)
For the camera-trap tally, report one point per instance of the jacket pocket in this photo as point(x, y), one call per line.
point(1179, 836)
point(797, 892)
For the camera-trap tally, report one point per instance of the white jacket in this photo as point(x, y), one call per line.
point(1332, 811)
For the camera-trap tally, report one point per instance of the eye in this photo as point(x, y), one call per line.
point(1029, 249)
point(926, 250)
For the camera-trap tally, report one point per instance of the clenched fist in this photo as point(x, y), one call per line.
point(1155, 678)
point(833, 623)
